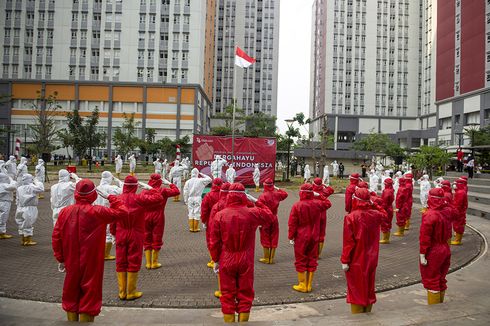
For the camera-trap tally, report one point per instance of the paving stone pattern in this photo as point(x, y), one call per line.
point(184, 280)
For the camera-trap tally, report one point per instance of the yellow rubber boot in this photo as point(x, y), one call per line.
point(132, 293)
point(433, 297)
point(265, 259)
point(148, 259)
point(368, 308)
point(443, 293)
point(309, 281)
point(86, 318)
point(229, 318)
point(320, 249)
point(107, 255)
point(154, 260)
point(122, 282)
point(301, 287)
point(211, 262)
point(457, 239)
point(356, 308)
point(29, 242)
point(400, 232)
point(257, 188)
point(272, 255)
point(407, 225)
point(191, 225)
point(385, 239)
point(5, 236)
point(71, 316)
point(196, 226)
point(243, 317)
point(217, 294)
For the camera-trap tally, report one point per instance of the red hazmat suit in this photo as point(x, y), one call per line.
point(78, 241)
point(387, 198)
point(232, 244)
point(361, 249)
point(219, 206)
point(304, 228)
point(460, 205)
point(325, 191)
point(269, 236)
point(130, 230)
point(402, 203)
point(349, 191)
point(448, 193)
point(435, 231)
point(209, 200)
point(465, 179)
point(155, 214)
point(409, 186)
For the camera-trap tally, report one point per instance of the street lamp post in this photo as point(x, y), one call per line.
point(289, 123)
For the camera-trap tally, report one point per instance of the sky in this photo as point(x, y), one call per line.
point(294, 60)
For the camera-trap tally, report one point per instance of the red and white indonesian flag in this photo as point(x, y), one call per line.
point(242, 60)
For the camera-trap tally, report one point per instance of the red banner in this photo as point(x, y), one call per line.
point(248, 152)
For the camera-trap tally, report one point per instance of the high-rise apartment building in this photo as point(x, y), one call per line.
point(252, 25)
point(147, 57)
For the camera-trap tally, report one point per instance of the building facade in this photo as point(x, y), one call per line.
point(253, 25)
point(146, 57)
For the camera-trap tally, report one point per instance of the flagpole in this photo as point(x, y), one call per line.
point(233, 115)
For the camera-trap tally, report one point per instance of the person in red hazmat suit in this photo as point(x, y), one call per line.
point(130, 235)
point(360, 251)
point(409, 186)
point(269, 237)
point(304, 233)
point(155, 220)
point(465, 179)
point(78, 242)
point(207, 204)
point(435, 255)
point(325, 191)
point(388, 197)
point(402, 204)
point(349, 191)
point(459, 205)
point(232, 245)
point(219, 206)
point(448, 192)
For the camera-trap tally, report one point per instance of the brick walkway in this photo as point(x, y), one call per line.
point(185, 281)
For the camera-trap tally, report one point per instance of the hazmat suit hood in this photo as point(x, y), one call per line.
point(26, 179)
point(408, 175)
point(361, 199)
point(317, 181)
point(130, 184)
point(354, 179)
point(216, 185)
point(63, 175)
point(194, 173)
point(223, 194)
point(363, 184)
point(4, 178)
point(268, 185)
point(317, 185)
point(402, 181)
point(446, 186)
point(23, 160)
point(12, 159)
point(236, 195)
point(155, 181)
point(425, 177)
point(106, 178)
point(460, 184)
point(306, 192)
point(85, 192)
point(436, 199)
point(40, 161)
point(388, 183)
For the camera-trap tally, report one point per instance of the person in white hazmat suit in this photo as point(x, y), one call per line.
point(186, 164)
point(158, 166)
point(40, 173)
point(193, 197)
point(21, 168)
point(217, 166)
point(424, 191)
point(438, 182)
point(62, 192)
point(307, 174)
point(326, 175)
point(7, 188)
point(256, 177)
point(396, 183)
point(230, 174)
point(11, 167)
point(27, 201)
point(335, 168)
point(119, 164)
point(132, 165)
point(107, 188)
point(164, 169)
point(373, 181)
point(176, 177)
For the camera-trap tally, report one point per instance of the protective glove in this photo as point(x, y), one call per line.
point(316, 194)
point(216, 267)
point(277, 188)
point(75, 177)
point(345, 267)
point(423, 261)
point(204, 226)
point(251, 198)
point(61, 267)
point(102, 193)
point(166, 182)
point(144, 185)
point(291, 242)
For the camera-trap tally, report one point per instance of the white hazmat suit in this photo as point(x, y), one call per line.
point(158, 166)
point(424, 190)
point(335, 168)
point(256, 177)
point(7, 188)
point(119, 164)
point(230, 174)
point(307, 174)
point(326, 175)
point(373, 181)
point(11, 167)
point(396, 183)
point(217, 166)
point(62, 193)
point(27, 201)
point(438, 182)
point(164, 169)
point(40, 170)
point(176, 177)
point(22, 168)
point(132, 165)
point(193, 189)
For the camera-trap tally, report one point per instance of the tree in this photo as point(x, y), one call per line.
point(260, 125)
point(379, 143)
point(480, 137)
point(165, 146)
point(227, 117)
point(125, 138)
point(148, 145)
point(430, 158)
point(184, 142)
point(44, 127)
